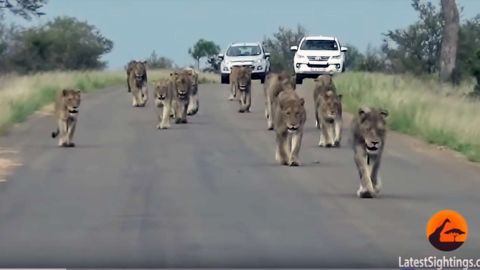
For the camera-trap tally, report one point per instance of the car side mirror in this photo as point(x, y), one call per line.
point(220, 56)
point(267, 55)
point(343, 49)
point(294, 48)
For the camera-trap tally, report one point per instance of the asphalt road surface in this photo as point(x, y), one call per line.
point(209, 193)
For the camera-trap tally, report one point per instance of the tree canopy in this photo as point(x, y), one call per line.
point(203, 48)
point(61, 44)
point(23, 8)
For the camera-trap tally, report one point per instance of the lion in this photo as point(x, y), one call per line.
point(274, 84)
point(243, 87)
point(129, 69)
point(163, 103)
point(328, 114)
point(290, 117)
point(369, 133)
point(323, 83)
point(181, 87)
point(193, 104)
point(137, 83)
point(67, 107)
point(233, 82)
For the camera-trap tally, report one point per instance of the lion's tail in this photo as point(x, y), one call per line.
point(55, 133)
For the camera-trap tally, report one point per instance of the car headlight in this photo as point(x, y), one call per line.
point(336, 57)
point(300, 56)
point(258, 61)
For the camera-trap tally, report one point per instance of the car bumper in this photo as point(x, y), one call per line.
point(311, 69)
point(258, 72)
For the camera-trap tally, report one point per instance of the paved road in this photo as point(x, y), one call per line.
point(209, 194)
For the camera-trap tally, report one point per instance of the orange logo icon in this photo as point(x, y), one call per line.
point(447, 230)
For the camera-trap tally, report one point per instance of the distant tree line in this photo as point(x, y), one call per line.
point(155, 61)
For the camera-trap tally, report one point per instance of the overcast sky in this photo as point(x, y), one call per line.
point(170, 27)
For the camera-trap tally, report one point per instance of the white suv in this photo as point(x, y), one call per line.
point(318, 55)
point(245, 54)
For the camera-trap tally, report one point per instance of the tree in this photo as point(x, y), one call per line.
point(23, 8)
point(373, 61)
point(448, 52)
point(475, 70)
point(417, 48)
point(353, 58)
point(6, 37)
point(455, 232)
point(159, 62)
point(63, 43)
point(279, 47)
point(203, 48)
point(469, 42)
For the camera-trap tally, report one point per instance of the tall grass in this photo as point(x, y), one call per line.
point(21, 96)
point(438, 113)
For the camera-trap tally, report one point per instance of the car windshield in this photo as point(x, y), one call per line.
point(310, 45)
point(250, 50)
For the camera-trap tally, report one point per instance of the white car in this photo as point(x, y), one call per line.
point(318, 55)
point(245, 54)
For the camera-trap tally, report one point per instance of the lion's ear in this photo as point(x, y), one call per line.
point(78, 91)
point(64, 92)
point(363, 111)
point(302, 101)
point(383, 113)
point(340, 97)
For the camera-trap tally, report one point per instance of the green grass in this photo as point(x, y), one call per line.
point(21, 96)
point(438, 113)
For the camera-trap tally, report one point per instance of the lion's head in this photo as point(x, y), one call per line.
point(372, 128)
point(139, 70)
point(182, 84)
point(244, 78)
point(71, 100)
point(193, 76)
point(331, 106)
point(161, 90)
point(325, 81)
point(293, 112)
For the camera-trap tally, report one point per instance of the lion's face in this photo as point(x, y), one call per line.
point(71, 100)
point(161, 90)
point(182, 84)
point(293, 112)
point(331, 106)
point(244, 78)
point(139, 70)
point(372, 128)
point(193, 77)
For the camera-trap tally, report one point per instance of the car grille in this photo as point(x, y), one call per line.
point(318, 65)
point(318, 58)
point(251, 66)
